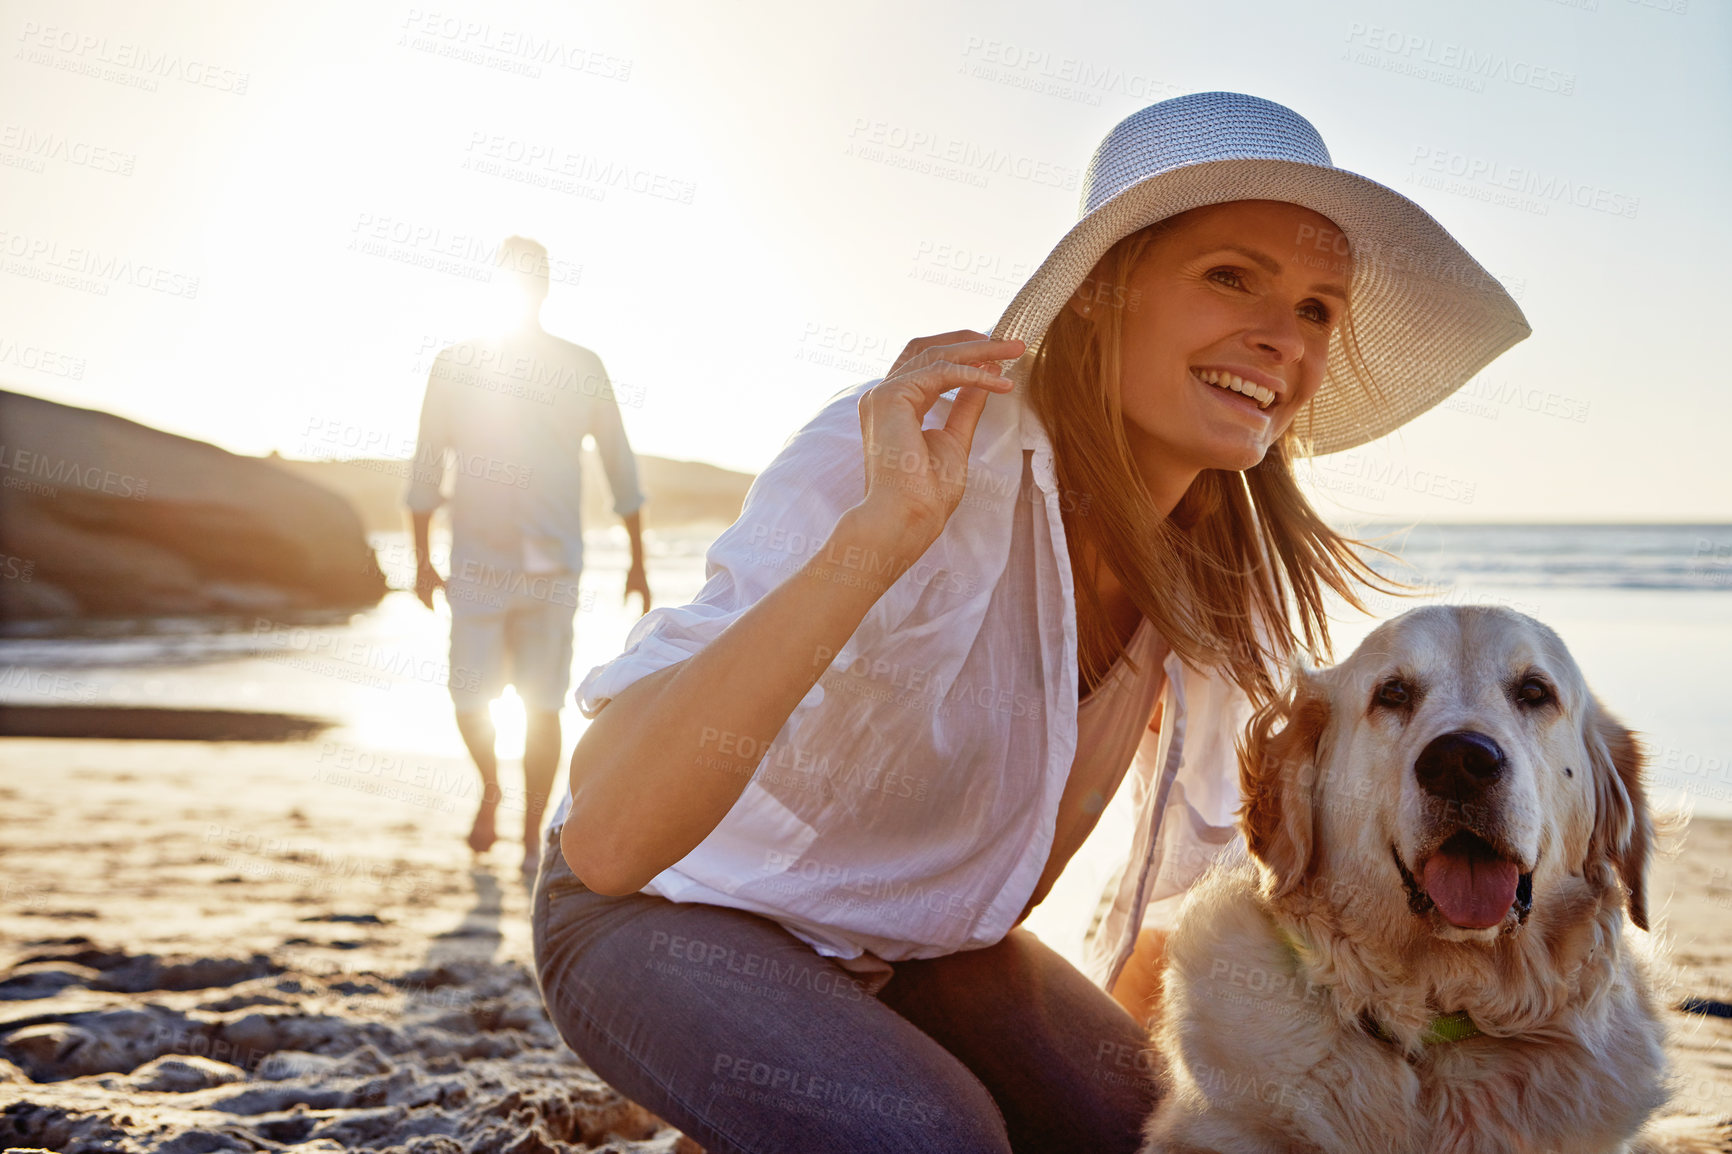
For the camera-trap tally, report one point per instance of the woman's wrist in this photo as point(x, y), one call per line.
point(875, 543)
point(865, 553)
point(890, 528)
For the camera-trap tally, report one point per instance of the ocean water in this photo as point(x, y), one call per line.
point(1646, 609)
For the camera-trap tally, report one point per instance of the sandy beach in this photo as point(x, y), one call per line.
point(225, 946)
point(285, 946)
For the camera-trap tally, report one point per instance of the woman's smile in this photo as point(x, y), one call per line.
point(1264, 391)
point(1240, 406)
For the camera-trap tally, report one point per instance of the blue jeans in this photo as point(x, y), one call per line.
point(732, 1029)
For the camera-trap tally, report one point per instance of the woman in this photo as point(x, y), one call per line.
point(815, 804)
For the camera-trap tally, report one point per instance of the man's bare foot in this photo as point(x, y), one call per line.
point(531, 852)
point(482, 834)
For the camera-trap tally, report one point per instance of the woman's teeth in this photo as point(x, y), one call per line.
point(1225, 380)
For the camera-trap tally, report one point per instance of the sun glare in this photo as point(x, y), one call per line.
point(509, 723)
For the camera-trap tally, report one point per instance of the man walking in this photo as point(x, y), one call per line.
point(512, 410)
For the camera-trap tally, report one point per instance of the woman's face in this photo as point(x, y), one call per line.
point(1251, 288)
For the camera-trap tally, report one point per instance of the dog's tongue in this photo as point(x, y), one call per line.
point(1474, 891)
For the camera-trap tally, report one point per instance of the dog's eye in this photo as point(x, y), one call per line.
point(1393, 693)
point(1533, 692)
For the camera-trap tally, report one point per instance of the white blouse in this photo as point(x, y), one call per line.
point(907, 807)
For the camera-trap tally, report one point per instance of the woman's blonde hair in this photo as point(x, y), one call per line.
point(1238, 549)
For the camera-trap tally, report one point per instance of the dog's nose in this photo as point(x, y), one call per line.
point(1459, 765)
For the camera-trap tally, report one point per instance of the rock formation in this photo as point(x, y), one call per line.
point(104, 517)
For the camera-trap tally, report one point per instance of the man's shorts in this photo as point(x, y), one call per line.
point(521, 636)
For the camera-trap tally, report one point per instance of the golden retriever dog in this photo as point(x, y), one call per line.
point(1431, 951)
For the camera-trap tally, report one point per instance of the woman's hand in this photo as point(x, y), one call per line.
point(916, 475)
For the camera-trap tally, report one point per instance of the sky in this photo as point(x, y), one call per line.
point(256, 227)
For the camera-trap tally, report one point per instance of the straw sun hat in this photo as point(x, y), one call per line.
point(1427, 315)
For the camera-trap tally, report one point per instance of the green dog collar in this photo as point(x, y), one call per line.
point(1456, 1027)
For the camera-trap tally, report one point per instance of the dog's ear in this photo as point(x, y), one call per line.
point(1277, 775)
point(1623, 826)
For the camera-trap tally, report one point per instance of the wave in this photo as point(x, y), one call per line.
point(1655, 557)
